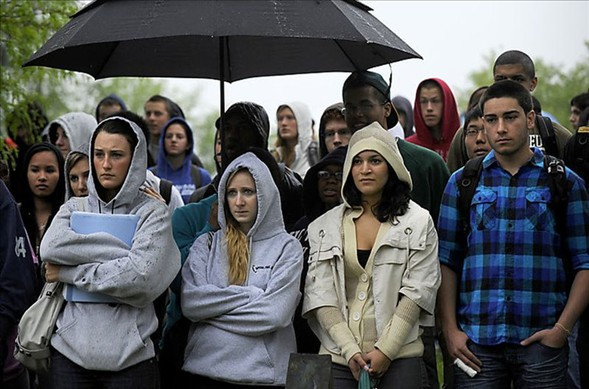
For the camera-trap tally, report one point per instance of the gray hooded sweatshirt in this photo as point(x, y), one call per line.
point(78, 127)
point(243, 333)
point(113, 336)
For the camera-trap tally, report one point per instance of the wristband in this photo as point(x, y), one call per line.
point(558, 325)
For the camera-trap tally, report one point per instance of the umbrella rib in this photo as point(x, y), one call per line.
point(228, 56)
point(106, 59)
point(347, 56)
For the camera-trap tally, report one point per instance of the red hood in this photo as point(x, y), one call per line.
point(450, 122)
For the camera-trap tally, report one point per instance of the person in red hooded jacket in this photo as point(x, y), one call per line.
point(435, 115)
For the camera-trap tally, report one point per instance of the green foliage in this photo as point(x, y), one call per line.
point(82, 93)
point(477, 78)
point(204, 138)
point(24, 27)
point(557, 85)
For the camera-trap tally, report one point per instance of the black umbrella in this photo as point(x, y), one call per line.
point(223, 40)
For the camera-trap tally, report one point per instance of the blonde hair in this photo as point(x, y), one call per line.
point(237, 244)
point(238, 254)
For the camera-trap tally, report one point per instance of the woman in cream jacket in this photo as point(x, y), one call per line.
point(373, 269)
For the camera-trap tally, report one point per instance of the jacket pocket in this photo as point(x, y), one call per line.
point(538, 215)
point(397, 258)
point(99, 337)
point(484, 205)
point(65, 324)
point(326, 254)
point(229, 356)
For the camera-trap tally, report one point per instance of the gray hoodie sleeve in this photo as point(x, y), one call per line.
point(203, 300)
point(62, 246)
point(274, 307)
point(135, 276)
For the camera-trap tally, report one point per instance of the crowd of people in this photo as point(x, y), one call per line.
point(394, 227)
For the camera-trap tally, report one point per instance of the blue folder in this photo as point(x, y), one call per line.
point(120, 226)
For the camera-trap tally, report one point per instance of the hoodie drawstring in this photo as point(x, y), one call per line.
point(321, 235)
point(408, 231)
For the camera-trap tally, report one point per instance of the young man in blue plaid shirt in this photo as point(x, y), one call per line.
point(503, 300)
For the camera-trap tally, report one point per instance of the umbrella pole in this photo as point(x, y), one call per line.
point(222, 76)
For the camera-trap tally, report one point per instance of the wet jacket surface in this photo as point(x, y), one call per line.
point(113, 336)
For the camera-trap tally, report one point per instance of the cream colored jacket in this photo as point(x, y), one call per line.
point(406, 262)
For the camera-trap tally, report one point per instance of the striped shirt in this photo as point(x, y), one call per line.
point(512, 281)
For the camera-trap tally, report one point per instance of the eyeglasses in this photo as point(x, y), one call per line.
point(325, 175)
point(364, 108)
point(473, 132)
point(341, 133)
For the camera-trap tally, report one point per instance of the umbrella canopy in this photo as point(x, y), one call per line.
point(223, 40)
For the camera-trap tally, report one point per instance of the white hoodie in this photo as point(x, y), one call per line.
point(78, 127)
point(305, 137)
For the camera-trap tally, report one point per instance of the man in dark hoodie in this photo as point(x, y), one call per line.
point(108, 106)
point(436, 116)
point(405, 111)
point(244, 125)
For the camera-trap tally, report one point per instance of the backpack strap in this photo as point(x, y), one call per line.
point(547, 134)
point(558, 184)
point(195, 175)
point(166, 190)
point(579, 160)
point(467, 184)
point(559, 191)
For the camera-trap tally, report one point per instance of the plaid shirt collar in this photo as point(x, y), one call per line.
point(536, 160)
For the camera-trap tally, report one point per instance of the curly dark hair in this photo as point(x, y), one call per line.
point(394, 201)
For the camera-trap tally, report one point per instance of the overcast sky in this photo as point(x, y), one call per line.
point(453, 37)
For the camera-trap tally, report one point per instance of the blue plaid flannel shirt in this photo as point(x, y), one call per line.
point(511, 282)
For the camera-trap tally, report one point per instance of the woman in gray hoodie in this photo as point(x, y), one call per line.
point(240, 286)
point(108, 344)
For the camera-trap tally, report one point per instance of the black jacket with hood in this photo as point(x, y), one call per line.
point(291, 186)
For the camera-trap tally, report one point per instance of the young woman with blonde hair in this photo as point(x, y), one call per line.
point(240, 286)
